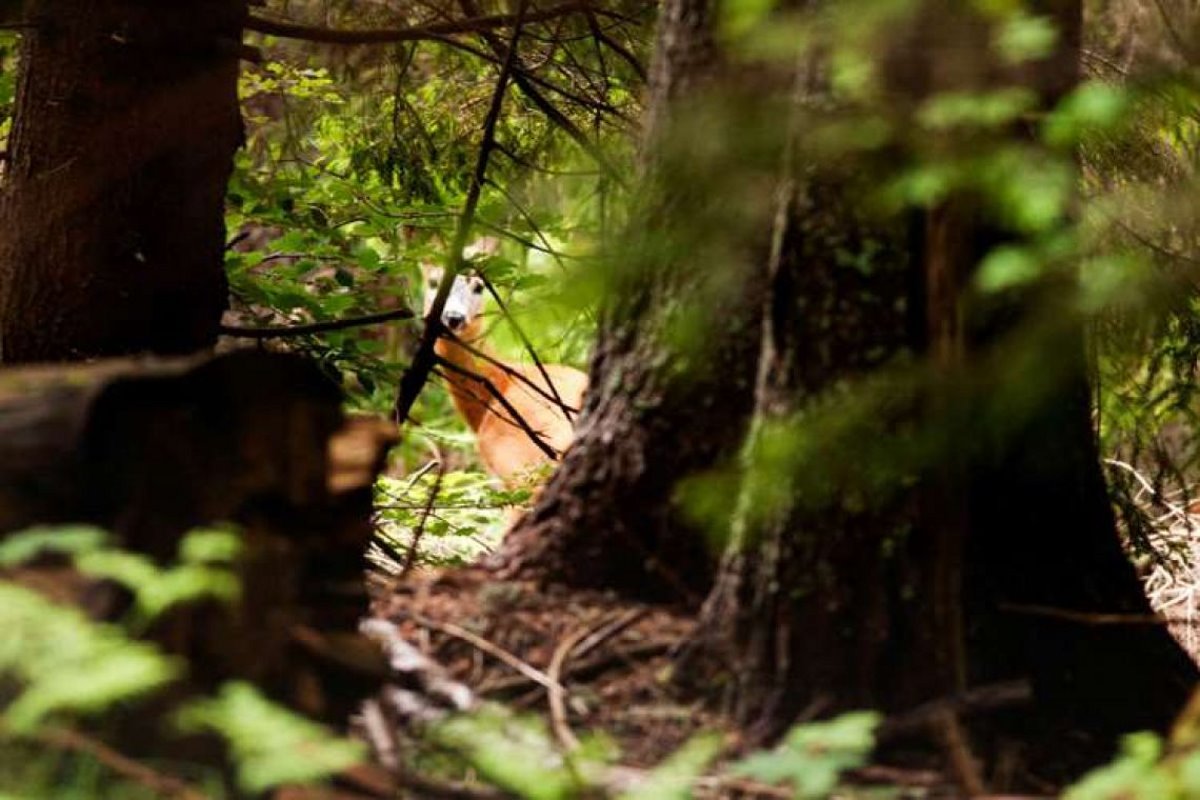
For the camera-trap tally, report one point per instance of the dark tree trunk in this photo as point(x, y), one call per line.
point(935, 528)
point(111, 210)
point(672, 373)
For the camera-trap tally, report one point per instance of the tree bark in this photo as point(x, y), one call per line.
point(111, 209)
point(927, 541)
point(672, 372)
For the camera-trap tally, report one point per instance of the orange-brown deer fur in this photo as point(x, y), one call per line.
point(505, 447)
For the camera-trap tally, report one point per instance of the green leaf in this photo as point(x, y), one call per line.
point(813, 756)
point(17, 548)
point(1007, 267)
point(1092, 106)
point(514, 753)
point(270, 744)
point(740, 17)
point(674, 777)
point(1134, 775)
point(65, 663)
point(1020, 37)
point(979, 109)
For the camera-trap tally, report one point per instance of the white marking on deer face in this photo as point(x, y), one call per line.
point(464, 304)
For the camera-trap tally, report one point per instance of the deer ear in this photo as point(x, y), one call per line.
point(483, 246)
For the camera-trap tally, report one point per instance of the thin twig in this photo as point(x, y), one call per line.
point(556, 695)
point(552, 113)
point(307, 329)
point(495, 392)
point(590, 667)
point(609, 629)
point(958, 751)
point(495, 651)
point(411, 559)
point(517, 374)
point(1085, 617)
point(123, 765)
point(482, 400)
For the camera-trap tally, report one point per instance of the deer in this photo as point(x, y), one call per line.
point(520, 421)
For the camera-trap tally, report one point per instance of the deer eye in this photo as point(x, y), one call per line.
point(479, 288)
point(433, 284)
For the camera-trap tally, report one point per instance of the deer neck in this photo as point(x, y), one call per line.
point(471, 397)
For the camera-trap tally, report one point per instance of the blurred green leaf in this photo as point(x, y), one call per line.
point(48, 649)
point(22, 546)
point(813, 756)
point(270, 745)
point(674, 778)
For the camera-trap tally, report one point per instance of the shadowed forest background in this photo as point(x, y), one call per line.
point(884, 482)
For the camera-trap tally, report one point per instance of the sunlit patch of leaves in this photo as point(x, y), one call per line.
point(463, 521)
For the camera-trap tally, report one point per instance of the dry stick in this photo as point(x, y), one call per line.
point(67, 739)
point(417, 374)
point(473, 24)
point(556, 696)
point(958, 750)
point(411, 559)
point(279, 331)
point(496, 393)
point(610, 629)
point(982, 698)
point(499, 653)
point(592, 666)
point(1087, 617)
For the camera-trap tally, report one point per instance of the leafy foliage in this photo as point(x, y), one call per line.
point(463, 518)
point(205, 567)
point(518, 755)
point(674, 778)
point(812, 757)
point(47, 647)
point(8, 83)
point(514, 753)
point(271, 745)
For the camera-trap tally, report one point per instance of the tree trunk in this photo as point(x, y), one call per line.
point(931, 535)
point(672, 373)
point(111, 210)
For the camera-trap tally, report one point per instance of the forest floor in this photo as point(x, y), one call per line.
point(516, 643)
point(592, 664)
point(1169, 558)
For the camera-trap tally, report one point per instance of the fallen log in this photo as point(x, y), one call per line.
point(150, 449)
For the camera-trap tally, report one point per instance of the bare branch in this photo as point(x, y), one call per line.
point(430, 32)
point(280, 331)
point(495, 392)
